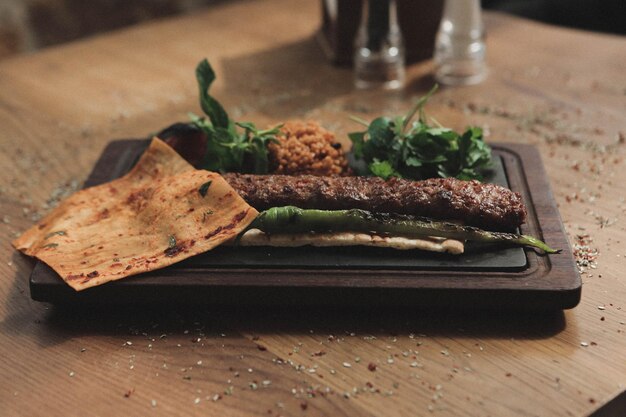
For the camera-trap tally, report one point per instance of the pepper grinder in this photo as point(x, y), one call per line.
point(379, 56)
point(460, 44)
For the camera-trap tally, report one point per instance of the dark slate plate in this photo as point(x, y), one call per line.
point(504, 259)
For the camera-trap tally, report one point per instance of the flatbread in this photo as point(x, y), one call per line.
point(160, 213)
point(255, 237)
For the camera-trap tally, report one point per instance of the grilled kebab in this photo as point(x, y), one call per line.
point(473, 203)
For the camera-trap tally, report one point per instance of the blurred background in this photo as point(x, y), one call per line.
point(29, 25)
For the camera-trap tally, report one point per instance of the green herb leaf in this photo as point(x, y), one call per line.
point(230, 150)
point(383, 169)
point(247, 125)
point(206, 214)
point(419, 107)
point(171, 241)
point(205, 77)
point(357, 139)
point(413, 161)
point(380, 132)
point(204, 188)
point(398, 147)
point(57, 233)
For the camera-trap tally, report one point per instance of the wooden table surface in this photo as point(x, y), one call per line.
point(561, 90)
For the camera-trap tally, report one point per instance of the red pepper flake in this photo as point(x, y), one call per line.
point(261, 348)
point(72, 277)
point(174, 250)
point(214, 232)
point(236, 219)
point(304, 405)
point(93, 274)
point(318, 353)
point(371, 367)
point(128, 393)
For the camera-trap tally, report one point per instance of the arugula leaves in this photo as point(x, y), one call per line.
point(395, 147)
point(229, 149)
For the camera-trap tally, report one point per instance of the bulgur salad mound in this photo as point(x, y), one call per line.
point(305, 147)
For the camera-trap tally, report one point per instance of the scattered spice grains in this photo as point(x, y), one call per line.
point(585, 255)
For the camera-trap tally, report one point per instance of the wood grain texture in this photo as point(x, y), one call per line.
point(558, 89)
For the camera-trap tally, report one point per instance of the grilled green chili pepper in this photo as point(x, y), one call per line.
point(291, 219)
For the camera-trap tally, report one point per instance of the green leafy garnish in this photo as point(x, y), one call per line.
point(171, 241)
point(57, 233)
point(205, 76)
point(397, 147)
point(204, 188)
point(231, 146)
point(206, 214)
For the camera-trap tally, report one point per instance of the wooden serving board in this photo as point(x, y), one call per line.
point(512, 278)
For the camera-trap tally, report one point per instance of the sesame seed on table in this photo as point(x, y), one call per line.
point(559, 89)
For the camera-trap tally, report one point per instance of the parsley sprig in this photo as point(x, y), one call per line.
point(397, 147)
point(231, 146)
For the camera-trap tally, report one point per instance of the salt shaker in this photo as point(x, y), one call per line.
point(379, 56)
point(460, 44)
